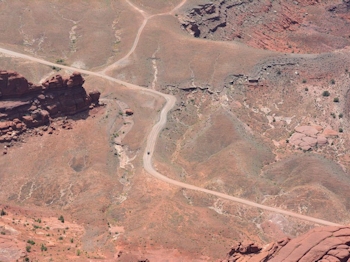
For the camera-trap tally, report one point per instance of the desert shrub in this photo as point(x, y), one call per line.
point(43, 247)
point(332, 81)
point(336, 99)
point(61, 218)
point(326, 93)
point(3, 213)
point(28, 248)
point(31, 242)
point(341, 130)
point(340, 115)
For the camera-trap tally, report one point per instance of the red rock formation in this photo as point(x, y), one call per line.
point(23, 104)
point(284, 26)
point(320, 244)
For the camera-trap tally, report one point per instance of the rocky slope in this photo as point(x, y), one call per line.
point(288, 26)
point(320, 244)
point(26, 105)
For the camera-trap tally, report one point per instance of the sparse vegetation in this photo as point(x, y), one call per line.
point(28, 248)
point(3, 213)
point(60, 61)
point(340, 115)
point(61, 218)
point(332, 81)
point(36, 226)
point(341, 130)
point(31, 242)
point(326, 93)
point(336, 100)
point(71, 240)
point(306, 89)
point(43, 247)
point(3, 233)
point(57, 69)
point(78, 252)
point(333, 115)
point(60, 238)
point(304, 81)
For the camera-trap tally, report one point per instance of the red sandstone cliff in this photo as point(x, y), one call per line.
point(24, 105)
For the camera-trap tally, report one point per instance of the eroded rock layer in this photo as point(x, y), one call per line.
point(25, 105)
point(288, 26)
point(320, 244)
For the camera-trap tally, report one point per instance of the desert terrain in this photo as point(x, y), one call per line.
point(219, 127)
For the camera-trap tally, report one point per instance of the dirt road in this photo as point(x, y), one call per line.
point(154, 134)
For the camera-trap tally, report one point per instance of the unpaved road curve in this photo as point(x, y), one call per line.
point(153, 136)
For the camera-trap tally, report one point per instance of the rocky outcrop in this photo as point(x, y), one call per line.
point(26, 105)
point(320, 244)
point(277, 25)
point(307, 137)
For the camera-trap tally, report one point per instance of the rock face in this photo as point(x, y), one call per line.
point(320, 244)
point(277, 25)
point(25, 105)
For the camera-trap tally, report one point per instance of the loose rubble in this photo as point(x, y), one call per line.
point(307, 137)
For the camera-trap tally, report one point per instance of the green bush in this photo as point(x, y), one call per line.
point(336, 99)
point(31, 242)
point(326, 93)
point(43, 247)
point(61, 218)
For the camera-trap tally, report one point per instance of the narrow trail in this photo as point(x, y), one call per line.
point(156, 129)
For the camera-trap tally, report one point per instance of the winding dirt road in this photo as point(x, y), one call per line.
point(154, 134)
